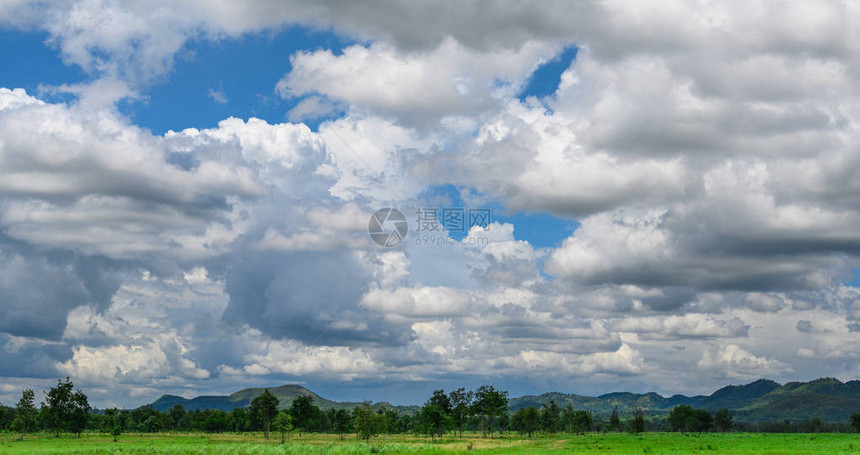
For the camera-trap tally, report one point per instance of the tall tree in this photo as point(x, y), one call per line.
point(526, 420)
point(638, 421)
point(433, 420)
point(58, 403)
point(366, 422)
point(723, 420)
point(614, 420)
point(549, 415)
point(306, 416)
point(855, 422)
point(461, 401)
point(681, 417)
point(177, 412)
point(581, 421)
point(441, 400)
point(341, 422)
point(79, 412)
point(265, 408)
point(25, 412)
point(489, 404)
point(284, 424)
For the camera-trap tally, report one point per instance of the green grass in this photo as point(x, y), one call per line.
point(612, 443)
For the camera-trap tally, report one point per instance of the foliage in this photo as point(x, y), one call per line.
point(489, 404)
point(25, 413)
point(526, 421)
point(283, 424)
point(723, 420)
point(461, 402)
point(614, 420)
point(264, 408)
point(638, 424)
point(685, 418)
point(366, 423)
point(341, 422)
point(65, 407)
point(549, 416)
point(434, 421)
point(306, 416)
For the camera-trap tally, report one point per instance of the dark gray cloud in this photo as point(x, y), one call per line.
point(310, 296)
point(38, 289)
point(31, 359)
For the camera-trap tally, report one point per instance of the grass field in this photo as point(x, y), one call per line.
point(620, 443)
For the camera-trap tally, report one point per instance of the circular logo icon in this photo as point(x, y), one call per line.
point(388, 227)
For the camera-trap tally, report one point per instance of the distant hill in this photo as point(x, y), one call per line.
point(764, 400)
point(285, 394)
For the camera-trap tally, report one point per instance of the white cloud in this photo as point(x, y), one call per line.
point(732, 361)
point(416, 89)
point(418, 302)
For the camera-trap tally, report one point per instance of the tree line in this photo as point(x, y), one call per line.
point(65, 409)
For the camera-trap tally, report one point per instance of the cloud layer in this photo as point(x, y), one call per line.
point(708, 153)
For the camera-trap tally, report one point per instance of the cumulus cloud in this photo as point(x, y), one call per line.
point(708, 152)
point(732, 361)
point(416, 89)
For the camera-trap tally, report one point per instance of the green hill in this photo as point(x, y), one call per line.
point(764, 400)
point(285, 395)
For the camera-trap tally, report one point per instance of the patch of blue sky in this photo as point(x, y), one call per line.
point(854, 280)
point(30, 63)
point(233, 77)
point(209, 81)
point(538, 228)
point(545, 79)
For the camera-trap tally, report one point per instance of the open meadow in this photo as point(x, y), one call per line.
point(592, 443)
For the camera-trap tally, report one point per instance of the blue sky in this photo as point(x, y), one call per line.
point(188, 188)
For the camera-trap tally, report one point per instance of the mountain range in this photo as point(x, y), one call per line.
point(763, 400)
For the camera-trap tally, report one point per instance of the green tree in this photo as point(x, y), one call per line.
point(855, 422)
point(366, 422)
point(152, 424)
point(177, 412)
point(489, 403)
point(723, 420)
point(116, 431)
point(264, 408)
point(108, 420)
point(306, 416)
point(581, 421)
point(433, 420)
point(341, 422)
point(284, 424)
point(685, 418)
point(58, 403)
point(217, 421)
point(79, 412)
point(461, 401)
point(549, 416)
point(681, 417)
point(441, 400)
point(638, 424)
point(702, 420)
point(614, 420)
point(25, 413)
point(526, 420)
